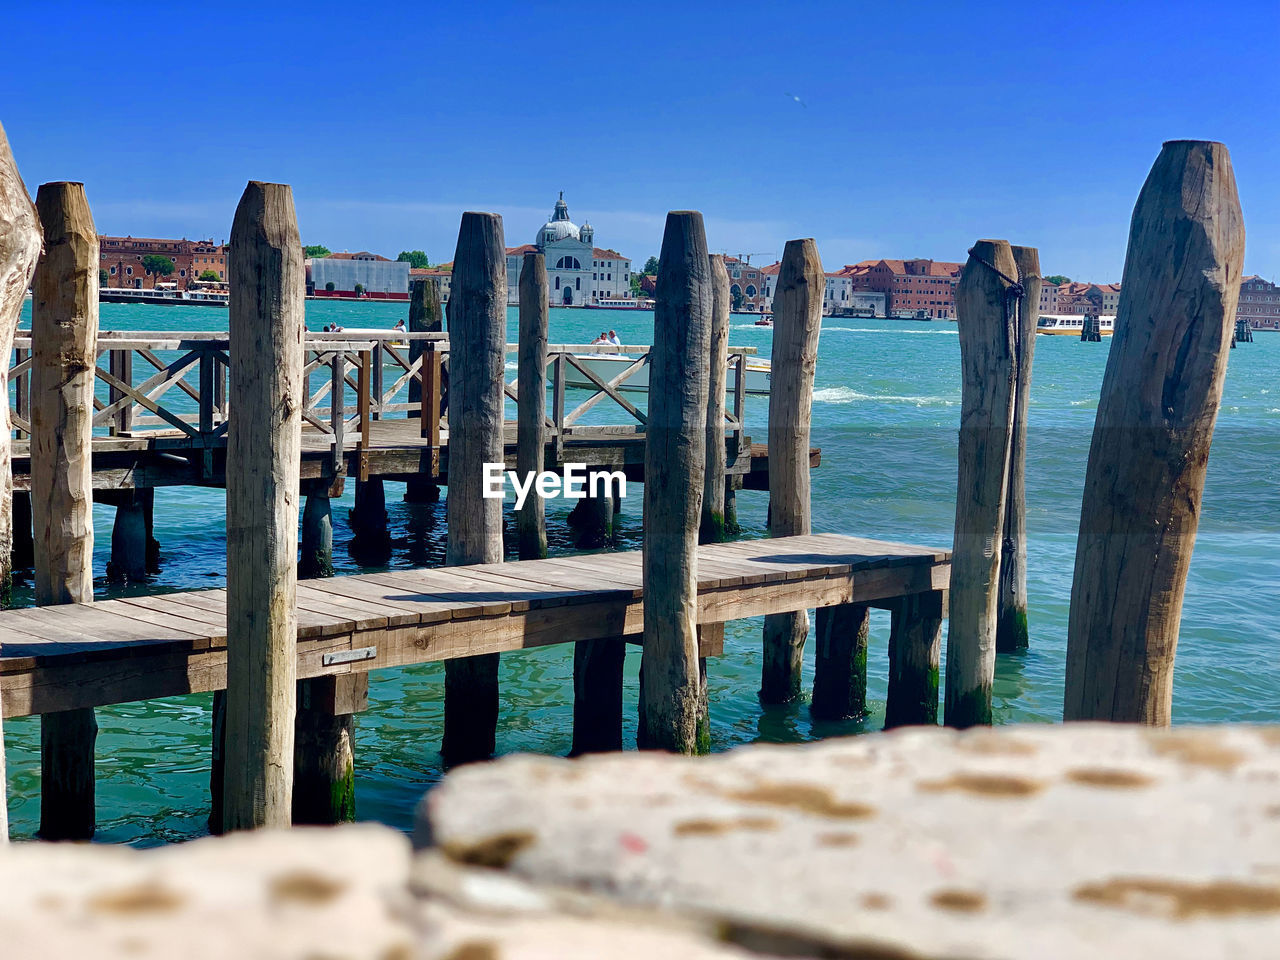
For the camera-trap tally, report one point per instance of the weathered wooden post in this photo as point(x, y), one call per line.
point(128, 540)
point(986, 303)
point(424, 317)
point(267, 280)
point(317, 532)
point(1011, 611)
point(531, 388)
point(840, 674)
point(797, 321)
point(19, 249)
point(370, 537)
point(592, 521)
point(477, 335)
point(64, 337)
point(711, 529)
point(915, 648)
point(324, 785)
point(675, 461)
point(1150, 449)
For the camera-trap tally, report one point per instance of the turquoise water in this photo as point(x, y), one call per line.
point(886, 411)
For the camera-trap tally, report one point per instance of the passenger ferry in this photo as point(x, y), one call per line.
point(618, 303)
point(165, 296)
point(1066, 324)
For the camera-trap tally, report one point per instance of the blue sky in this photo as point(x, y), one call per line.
point(922, 126)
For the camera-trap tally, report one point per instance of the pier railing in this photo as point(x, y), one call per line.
point(171, 389)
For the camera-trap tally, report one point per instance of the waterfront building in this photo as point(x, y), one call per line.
point(910, 288)
point(1086, 299)
point(746, 285)
point(121, 258)
point(578, 272)
point(339, 274)
point(1259, 303)
point(1048, 298)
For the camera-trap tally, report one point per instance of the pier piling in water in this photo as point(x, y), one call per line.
point(712, 526)
point(1011, 614)
point(915, 648)
point(317, 533)
point(840, 686)
point(797, 321)
point(324, 748)
point(987, 297)
point(128, 562)
point(1150, 449)
point(267, 279)
point(675, 460)
point(477, 333)
point(23, 552)
point(370, 538)
point(64, 336)
point(424, 317)
point(19, 250)
point(531, 388)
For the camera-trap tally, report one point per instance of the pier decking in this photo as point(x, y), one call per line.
point(64, 657)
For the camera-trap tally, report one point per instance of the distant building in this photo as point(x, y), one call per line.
point(911, 288)
point(442, 277)
point(1048, 298)
point(122, 257)
point(1085, 299)
point(338, 275)
point(578, 272)
point(746, 286)
point(1259, 303)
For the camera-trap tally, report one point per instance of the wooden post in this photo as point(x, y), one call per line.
point(531, 388)
point(797, 321)
point(267, 280)
point(597, 695)
point(128, 541)
point(317, 533)
point(23, 544)
point(711, 529)
point(424, 317)
point(1011, 610)
point(675, 461)
point(477, 335)
point(370, 538)
point(592, 519)
point(915, 646)
point(64, 336)
point(19, 249)
point(324, 747)
point(840, 677)
point(986, 304)
point(1150, 449)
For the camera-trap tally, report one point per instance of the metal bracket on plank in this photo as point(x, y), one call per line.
point(348, 656)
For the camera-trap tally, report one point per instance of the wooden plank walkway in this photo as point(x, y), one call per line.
point(138, 648)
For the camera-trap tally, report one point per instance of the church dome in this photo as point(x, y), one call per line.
point(559, 227)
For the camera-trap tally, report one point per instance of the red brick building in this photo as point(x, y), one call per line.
point(121, 258)
point(747, 292)
point(1259, 303)
point(912, 288)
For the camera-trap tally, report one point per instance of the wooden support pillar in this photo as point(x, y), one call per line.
point(675, 461)
point(711, 528)
point(64, 336)
point(702, 738)
point(19, 249)
point(840, 674)
point(477, 333)
point(592, 519)
point(317, 533)
point(128, 562)
point(370, 538)
point(1150, 449)
point(915, 646)
point(424, 317)
point(797, 320)
point(732, 484)
point(23, 544)
point(324, 748)
point(531, 388)
point(986, 306)
point(1011, 609)
point(268, 288)
point(597, 695)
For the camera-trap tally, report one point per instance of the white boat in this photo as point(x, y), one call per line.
point(1068, 324)
point(164, 296)
point(607, 366)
